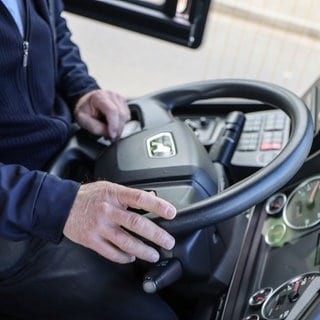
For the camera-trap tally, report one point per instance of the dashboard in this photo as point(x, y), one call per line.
point(278, 272)
point(270, 252)
point(277, 275)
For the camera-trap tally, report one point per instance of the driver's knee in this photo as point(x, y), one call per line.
point(70, 282)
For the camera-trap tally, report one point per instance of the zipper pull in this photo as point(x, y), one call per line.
point(25, 53)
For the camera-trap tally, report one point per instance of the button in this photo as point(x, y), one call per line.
point(252, 128)
point(267, 135)
point(276, 146)
point(246, 147)
point(266, 146)
point(277, 136)
point(278, 125)
point(275, 122)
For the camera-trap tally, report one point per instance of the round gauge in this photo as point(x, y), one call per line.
point(276, 233)
point(276, 203)
point(280, 302)
point(259, 297)
point(302, 209)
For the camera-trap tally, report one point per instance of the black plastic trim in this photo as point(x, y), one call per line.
point(157, 21)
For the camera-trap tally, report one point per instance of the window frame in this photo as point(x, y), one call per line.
point(160, 21)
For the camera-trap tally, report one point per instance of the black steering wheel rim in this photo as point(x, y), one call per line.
point(155, 110)
point(254, 189)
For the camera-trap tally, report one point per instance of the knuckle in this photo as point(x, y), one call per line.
point(111, 110)
point(116, 235)
point(138, 197)
point(160, 206)
point(158, 236)
point(94, 243)
point(124, 115)
point(135, 222)
point(102, 207)
point(127, 244)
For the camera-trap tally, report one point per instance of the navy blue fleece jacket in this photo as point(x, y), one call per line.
point(41, 78)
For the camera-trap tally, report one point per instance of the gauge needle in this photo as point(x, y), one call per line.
point(294, 295)
point(313, 195)
point(297, 286)
point(298, 208)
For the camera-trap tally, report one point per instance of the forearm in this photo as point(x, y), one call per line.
point(73, 79)
point(33, 203)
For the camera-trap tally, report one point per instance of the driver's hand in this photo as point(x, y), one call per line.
point(102, 113)
point(99, 220)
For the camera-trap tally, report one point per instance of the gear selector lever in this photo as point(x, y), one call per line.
point(164, 273)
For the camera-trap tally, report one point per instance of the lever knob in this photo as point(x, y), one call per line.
point(161, 275)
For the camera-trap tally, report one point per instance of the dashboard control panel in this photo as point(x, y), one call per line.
point(264, 135)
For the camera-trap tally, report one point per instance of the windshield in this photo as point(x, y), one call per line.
point(269, 40)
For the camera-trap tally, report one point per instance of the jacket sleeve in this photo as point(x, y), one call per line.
point(72, 74)
point(28, 205)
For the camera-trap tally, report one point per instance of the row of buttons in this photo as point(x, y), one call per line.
point(263, 132)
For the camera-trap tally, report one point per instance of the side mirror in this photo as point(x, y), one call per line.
point(178, 21)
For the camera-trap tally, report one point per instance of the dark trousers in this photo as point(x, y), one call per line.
point(42, 280)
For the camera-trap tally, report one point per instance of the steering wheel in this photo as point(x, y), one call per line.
point(212, 204)
point(236, 199)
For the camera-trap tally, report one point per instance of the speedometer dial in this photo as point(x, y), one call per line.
point(302, 209)
point(279, 304)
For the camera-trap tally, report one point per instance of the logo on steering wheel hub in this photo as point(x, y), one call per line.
point(161, 146)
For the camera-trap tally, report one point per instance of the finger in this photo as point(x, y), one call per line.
point(116, 110)
point(140, 199)
point(93, 125)
point(121, 102)
point(115, 105)
point(111, 252)
point(102, 102)
point(111, 113)
point(144, 227)
point(131, 245)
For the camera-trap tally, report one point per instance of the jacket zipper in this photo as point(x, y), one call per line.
point(25, 52)
point(52, 15)
point(25, 44)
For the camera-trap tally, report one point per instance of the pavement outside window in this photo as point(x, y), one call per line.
point(269, 40)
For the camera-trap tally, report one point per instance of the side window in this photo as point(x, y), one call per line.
point(179, 21)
